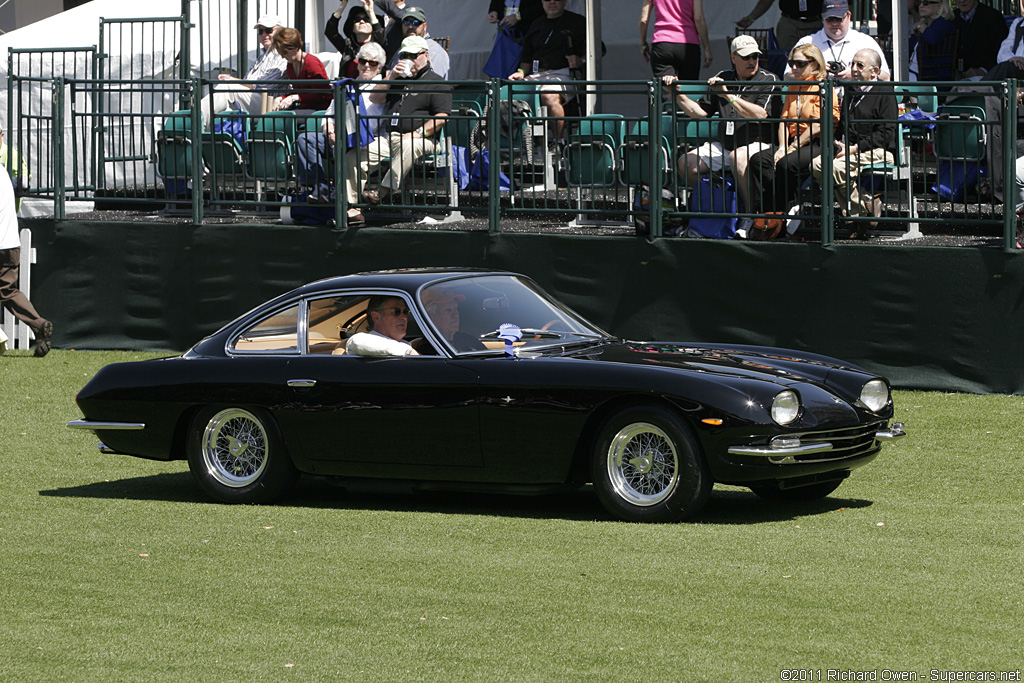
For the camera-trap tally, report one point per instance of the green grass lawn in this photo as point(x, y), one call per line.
point(116, 569)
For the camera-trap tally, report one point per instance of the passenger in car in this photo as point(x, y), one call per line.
point(442, 305)
point(387, 319)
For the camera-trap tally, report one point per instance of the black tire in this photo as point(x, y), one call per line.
point(647, 466)
point(237, 456)
point(801, 494)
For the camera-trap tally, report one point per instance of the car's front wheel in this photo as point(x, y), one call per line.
point(237, 456)
point(647, 466)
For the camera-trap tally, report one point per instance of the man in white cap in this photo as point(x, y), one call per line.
point(740, 106)
point(417, 102)
point(269, 66)
point(839, 43)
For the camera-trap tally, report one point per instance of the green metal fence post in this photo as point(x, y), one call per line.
point(57, 159)
point(195, 143)
point(1009, 123)
point(828, 234)
point(494, 155)
point(654, 155)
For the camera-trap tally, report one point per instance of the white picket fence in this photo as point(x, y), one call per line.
point(16, 331)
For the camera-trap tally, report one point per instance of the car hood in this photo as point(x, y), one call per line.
point(781, 366)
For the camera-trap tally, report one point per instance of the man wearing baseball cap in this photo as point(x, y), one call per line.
point(839, 43)
point(414, 23)
point(269, 66)
point(417, 102)
point(740, 96)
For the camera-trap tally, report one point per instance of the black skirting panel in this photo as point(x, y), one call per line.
point(926, 317)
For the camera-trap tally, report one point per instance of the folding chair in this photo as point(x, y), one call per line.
point(173, 146)
point(271, 149)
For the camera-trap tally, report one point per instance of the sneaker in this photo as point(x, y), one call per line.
point(43, 339)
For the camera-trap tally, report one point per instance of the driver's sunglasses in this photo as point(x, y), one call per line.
point(410, 21)
point(394, 311)
point(263, 30)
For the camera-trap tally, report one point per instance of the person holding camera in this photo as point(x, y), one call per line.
point(839, 43)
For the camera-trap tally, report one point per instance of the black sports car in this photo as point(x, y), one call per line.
point(477, 380)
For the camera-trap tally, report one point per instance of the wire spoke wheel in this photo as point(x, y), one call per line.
point(647, 465)
point(642, 464)
point(235, 447)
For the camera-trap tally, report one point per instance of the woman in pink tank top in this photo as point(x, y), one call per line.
point(679, 33)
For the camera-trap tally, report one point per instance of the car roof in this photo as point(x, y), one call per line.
point(406, 279)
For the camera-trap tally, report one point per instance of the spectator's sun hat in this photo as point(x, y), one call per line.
point(744, 46)
point(413, 45)
point(440, 295)
point(415, 13)
point(269, 21)
point(835, 8)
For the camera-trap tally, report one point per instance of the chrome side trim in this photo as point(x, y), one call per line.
point(770, 452)
point(301, 383)
point(98, 424)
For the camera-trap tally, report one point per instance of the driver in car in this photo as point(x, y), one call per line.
point(442, 305)
point(387, 320)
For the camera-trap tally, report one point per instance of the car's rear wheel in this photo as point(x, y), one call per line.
point(237, 456)
point(798, 494)
point(647, 466)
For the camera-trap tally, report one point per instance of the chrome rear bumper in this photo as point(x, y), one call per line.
point(98, 424)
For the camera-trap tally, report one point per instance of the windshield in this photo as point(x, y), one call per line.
point(467, 313)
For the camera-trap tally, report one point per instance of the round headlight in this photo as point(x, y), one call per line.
point(875, 395)
point(785, 407)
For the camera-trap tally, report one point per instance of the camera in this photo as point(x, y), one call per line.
point(835, 67)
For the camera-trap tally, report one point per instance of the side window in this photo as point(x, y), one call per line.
point(331, 321)
point(276, 334)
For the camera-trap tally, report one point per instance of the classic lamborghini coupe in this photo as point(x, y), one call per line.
point(509, 391)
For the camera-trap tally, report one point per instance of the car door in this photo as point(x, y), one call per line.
point(394, 414)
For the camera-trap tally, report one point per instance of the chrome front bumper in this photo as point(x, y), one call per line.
point(788, 448)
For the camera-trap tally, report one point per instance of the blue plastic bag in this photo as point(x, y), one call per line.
point(357, 125)
point(955, 178)
point(506, 53)
point(460, 166)
point(231, 124)
point(716, 195)
point(480, 174)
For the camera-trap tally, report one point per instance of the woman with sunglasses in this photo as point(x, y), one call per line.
point(311, 89)
point(933, 42)
point(316, 150)
point(361, 27)
point(776, 176)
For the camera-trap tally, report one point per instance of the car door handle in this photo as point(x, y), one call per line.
point(302, 383)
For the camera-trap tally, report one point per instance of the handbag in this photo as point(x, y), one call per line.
point(506, 53)
point(480, 174)
point(235, 125)
point(714, 195)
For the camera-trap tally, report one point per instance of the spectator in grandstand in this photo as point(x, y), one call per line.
point(799, 18)
point(515, 13)
point(775, 176)
point(13, 299)
point(361, 27)
point(18, 168)
point(933, 42)
point(981, 30)
point(414, 23)
point(741, 96)
point(314, 93)
point(679, 33)
point(315, 150)
point(416, 107)
point(269, 66)
point(387, 320)
point(866, 134)
point(552, 49)
point(839, 43)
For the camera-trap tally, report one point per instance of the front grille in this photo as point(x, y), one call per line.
point(848, 442)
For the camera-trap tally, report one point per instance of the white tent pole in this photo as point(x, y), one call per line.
point(900, 59)
point(593, 56)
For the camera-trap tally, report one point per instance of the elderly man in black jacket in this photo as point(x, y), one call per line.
point(866, 133)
